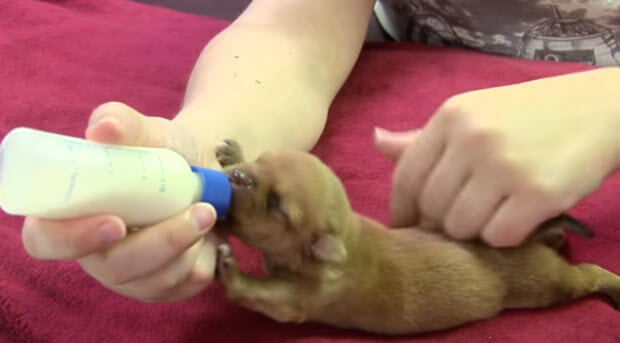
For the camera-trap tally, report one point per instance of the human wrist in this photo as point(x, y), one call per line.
point(203, 141)
point(616, 165)
point(600, 86)
point(614, 82)
point(271, 118)
point(208, 128)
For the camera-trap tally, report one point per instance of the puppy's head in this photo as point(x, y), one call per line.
point(290, 206)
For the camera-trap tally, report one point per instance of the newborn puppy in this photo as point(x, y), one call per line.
point(327, 264)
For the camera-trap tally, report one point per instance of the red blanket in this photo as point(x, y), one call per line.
point(61, 58)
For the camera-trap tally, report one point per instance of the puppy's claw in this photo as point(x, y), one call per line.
point(228, 152)
point(223, 250)
point(226, 265)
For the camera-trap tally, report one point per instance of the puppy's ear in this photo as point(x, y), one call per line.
point(328, 248)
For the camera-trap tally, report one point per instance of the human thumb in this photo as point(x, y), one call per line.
point(117, 123)
point(392, 144)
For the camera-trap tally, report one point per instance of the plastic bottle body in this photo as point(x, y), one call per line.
point(54, 176)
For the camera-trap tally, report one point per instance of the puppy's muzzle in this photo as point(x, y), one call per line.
point(240, 178)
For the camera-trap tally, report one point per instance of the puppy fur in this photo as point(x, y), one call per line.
point(327, 264)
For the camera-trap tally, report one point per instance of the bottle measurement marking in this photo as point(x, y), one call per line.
point(106, 150)
point(144, 158)
point(144, 176)
point(162, 170)
point(75, 170)
point(141, 157)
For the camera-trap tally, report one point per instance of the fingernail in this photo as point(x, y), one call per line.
point(109, 232)
point(103, 118)
point(380, 132)
point(108, 129)
point(204, 216)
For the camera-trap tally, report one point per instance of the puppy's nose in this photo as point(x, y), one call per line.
point(240, 178)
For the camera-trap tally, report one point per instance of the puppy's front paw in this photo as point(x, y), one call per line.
point(228, 152)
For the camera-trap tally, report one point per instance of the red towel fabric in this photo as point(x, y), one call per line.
point(59, 59)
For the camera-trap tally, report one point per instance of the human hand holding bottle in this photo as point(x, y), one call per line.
point(167, 261)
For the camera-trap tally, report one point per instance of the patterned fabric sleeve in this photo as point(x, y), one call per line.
point(554, 30)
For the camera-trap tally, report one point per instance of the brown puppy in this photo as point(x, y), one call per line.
point(327, 264)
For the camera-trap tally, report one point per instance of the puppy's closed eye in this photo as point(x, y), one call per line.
point(287, 209)
point(273, 201)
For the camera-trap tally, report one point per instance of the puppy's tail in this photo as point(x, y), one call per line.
point(551, 232)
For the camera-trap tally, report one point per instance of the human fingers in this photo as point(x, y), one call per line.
point(151, 248)
point(72, 238)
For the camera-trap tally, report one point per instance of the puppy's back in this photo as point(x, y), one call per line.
point(406, 280)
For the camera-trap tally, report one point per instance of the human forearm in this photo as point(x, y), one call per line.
point(269, 78)
point(260, 96)
point(599, 90)
point(614, 84)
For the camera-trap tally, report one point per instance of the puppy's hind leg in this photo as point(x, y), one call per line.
point(228, 152)
point(588, 278)
point(271, 296)
point(608, 282)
